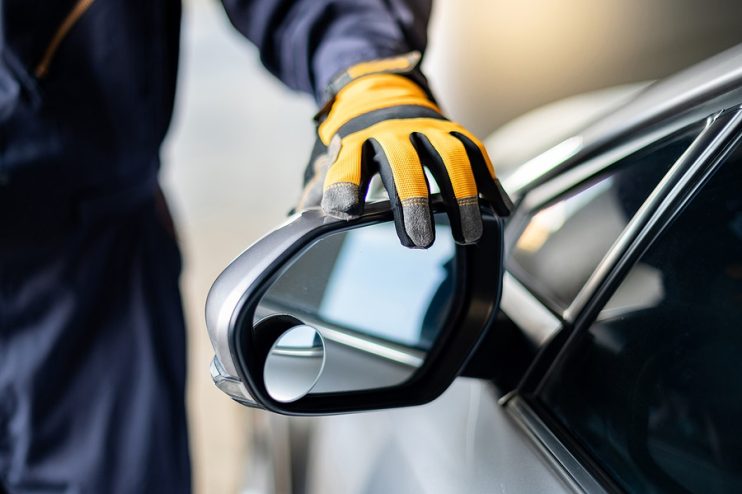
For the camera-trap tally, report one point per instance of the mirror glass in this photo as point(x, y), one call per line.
point(379, 306)
point(294, 364)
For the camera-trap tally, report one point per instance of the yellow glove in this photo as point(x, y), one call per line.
point(385, 122)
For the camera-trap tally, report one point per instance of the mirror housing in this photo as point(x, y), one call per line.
point(243, 347)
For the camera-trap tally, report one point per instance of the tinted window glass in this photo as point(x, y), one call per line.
point(564, 242)
point(653, 390)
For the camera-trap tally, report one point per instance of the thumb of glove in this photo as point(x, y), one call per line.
point(314, 177)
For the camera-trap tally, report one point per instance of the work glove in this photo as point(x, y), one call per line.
point(381, 118)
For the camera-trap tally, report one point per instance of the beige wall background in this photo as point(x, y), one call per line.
point(239, 141)
point(492, 60)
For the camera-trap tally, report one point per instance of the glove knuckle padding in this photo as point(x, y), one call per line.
point(397, 92)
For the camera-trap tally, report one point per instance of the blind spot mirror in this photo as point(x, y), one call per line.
point(294, 364)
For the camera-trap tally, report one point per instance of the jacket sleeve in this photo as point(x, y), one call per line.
point(306, 43)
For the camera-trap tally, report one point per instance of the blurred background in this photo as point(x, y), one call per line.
point(239, 142)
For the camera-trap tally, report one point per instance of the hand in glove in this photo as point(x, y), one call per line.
point(382, 120)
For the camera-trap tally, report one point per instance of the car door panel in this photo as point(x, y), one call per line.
point(462, 442)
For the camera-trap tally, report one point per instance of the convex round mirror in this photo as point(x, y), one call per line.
point(294, 364)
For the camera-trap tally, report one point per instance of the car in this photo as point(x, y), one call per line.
point(606, 354)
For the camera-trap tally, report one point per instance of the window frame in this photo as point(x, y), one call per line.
point(719, 137)
point(553, 190)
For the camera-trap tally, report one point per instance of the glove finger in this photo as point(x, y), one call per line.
point(405, 182)
point(344, 187)
point(484, 173)
point(314, 176)
point(449, 163)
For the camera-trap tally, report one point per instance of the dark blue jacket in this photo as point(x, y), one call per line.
point(95, 120)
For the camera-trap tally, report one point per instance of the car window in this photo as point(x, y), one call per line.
point(652, 390)
point(564, 241)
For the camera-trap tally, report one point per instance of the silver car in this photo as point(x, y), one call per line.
point(596, 333)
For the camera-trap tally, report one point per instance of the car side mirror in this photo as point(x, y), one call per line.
point(325, 316)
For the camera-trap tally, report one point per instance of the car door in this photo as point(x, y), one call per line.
point(643, 395)
point(563, 239)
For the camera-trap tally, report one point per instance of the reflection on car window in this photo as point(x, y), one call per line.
point(565, 241)
point(364, 281)
point(652, 390)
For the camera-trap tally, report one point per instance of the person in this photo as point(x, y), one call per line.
point(92, 342)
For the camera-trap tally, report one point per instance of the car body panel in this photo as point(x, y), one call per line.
point(670, 104)
point(541, 129)
point(462, 442)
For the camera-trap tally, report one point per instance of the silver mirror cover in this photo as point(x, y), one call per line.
point(242, 349)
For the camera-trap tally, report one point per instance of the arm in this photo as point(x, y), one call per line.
point(306, 43)
point(377, 114)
